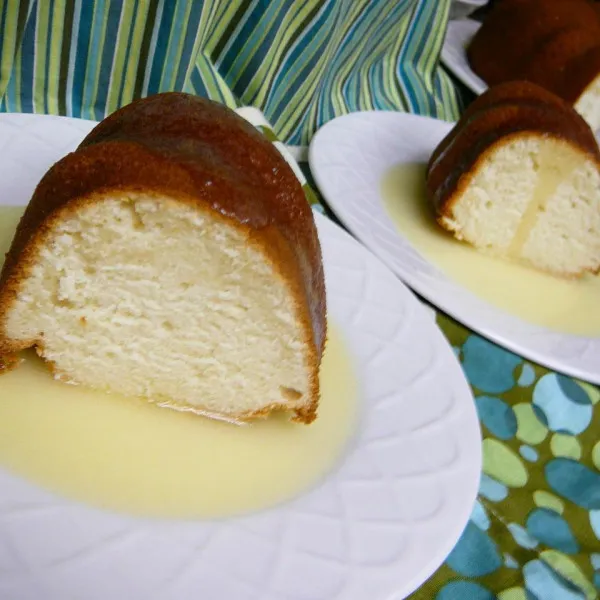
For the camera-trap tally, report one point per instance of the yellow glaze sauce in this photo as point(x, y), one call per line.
point(127, 455)
point(567, 306)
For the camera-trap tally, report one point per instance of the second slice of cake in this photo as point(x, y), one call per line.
point(519, 177)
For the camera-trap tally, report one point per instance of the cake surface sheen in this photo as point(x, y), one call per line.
point(553, 43)
point(173, 256)
point(519, 177)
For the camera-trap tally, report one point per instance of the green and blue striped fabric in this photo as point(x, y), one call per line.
point(302, 63)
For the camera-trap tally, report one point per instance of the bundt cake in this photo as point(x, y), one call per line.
point(554, 43)
point(172, 256)
point(519, 177)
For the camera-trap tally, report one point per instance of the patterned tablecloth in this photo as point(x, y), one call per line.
point(535, 530)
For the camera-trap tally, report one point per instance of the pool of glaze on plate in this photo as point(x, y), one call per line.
point(130, 456)
point(567, 306)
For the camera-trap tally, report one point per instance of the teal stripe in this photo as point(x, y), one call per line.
point(73, 57)
point(128, 51)
point(426, 22)
point(24, 100)
point(178, 25)
point(332, 78)
point(95, 54)
point(189, 42)
point(3, 14)
point(257, 39)
point(296, 24)
point(64, 64)
point(369, 22)
point(145, 48)
point(291, 77)
point(234, 31)
point(419, 100)
point(161, 47)
point(51, 12)
point(302, 75)
point(196, 84)
point(83, 23)
point(152, 47)
point(108, 55)
point(298, 49)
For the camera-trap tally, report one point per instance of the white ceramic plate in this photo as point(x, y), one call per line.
point(376, 528)
point(348, 158)
point(454, 53)
point(461, 9)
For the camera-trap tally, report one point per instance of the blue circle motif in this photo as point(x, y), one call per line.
point(491, 489)
point(574, 481)
point(497, 416)
point(460, 590)
point(475, 554)
point(561, 411)
point(552, 530)
point(522, 536)
point(527, 376)
point(528, 453)
point(489, 367)
point(571, 390)
point(546, 583)
point(479, 516)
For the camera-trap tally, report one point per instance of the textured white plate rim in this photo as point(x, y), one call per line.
point(354, 133)
point(385, 325)
point(460, 9)
point(454, 56)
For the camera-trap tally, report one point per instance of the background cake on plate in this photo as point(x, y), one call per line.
point(554, 43)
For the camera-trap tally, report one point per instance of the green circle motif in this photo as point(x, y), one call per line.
point(596, 455)
point(547, 500)
point(565, 445)
point(529, 428)
point(569, 569)
point(502, 464)
point(592, 391)
point(515, 593)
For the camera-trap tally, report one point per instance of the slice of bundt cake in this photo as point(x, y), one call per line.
point(519, 177)
point(173, 257)
point(554, 43)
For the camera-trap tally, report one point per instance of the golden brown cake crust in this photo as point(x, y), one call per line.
point(8, 363)
point(508, 93)
point(554, 43)
point(203, 154)
point(502, 111)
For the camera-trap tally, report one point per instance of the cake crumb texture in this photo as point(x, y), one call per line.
point(172, 257)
